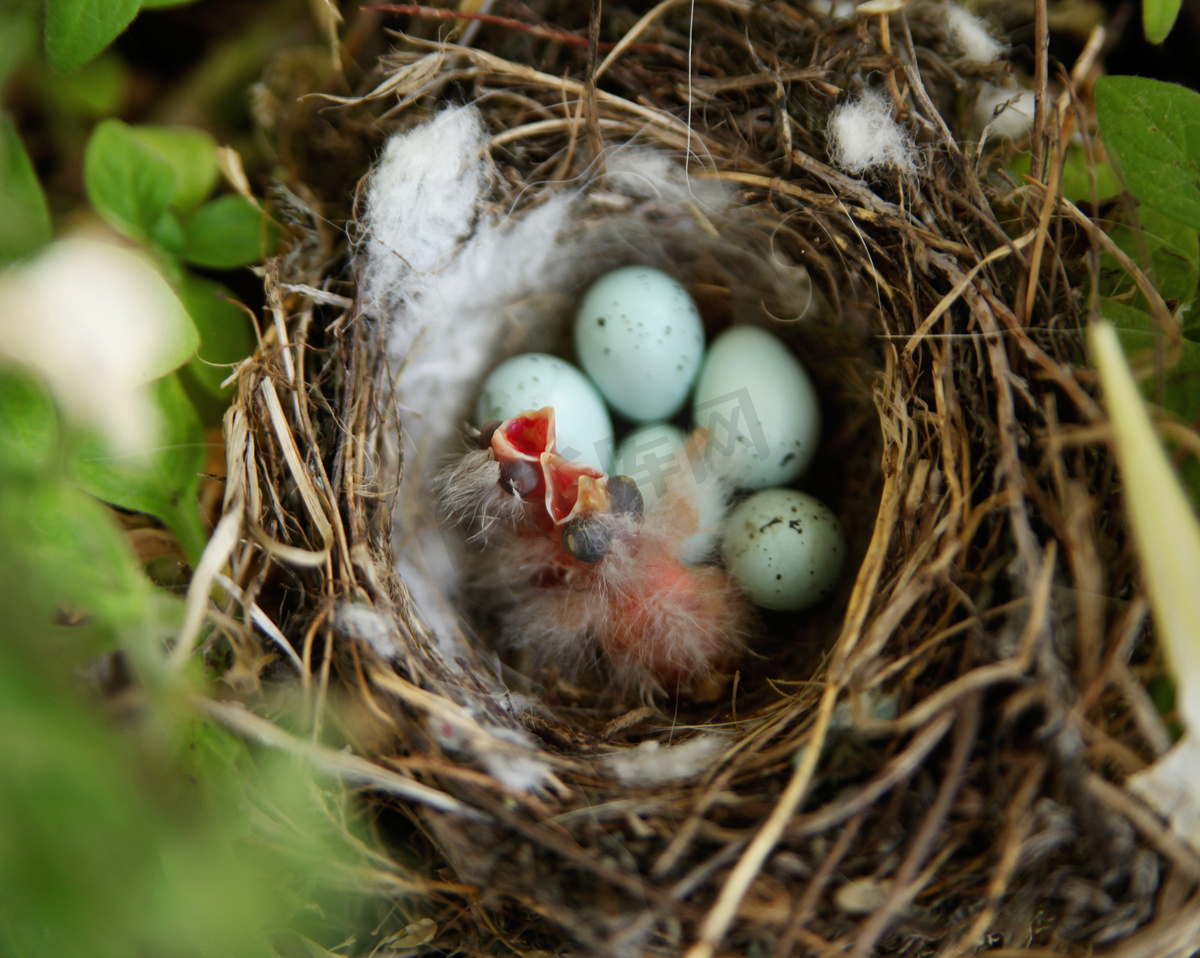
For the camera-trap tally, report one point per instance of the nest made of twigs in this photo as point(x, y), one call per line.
point(932, 763)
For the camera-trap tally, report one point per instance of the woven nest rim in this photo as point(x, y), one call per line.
point(1031, 416)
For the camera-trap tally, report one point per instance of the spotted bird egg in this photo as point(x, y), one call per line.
point(638, 335)
point(759, 407)
point(784, 548)
point(532, 380)
point(649, 455)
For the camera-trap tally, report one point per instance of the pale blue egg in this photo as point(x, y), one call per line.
point(639, 337)
point(649, 456)
point(784, 548)
point(760, 409)
point(532, 380)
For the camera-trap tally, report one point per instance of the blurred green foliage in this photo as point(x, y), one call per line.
point(1158, 18)
point(76, 31)
point(164, 483)
point(146, 830)
point(129, 823)
point(1151, 131)
point(24, 216)
point(1151, 136)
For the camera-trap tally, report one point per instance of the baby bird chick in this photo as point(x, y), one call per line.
point(582, 576)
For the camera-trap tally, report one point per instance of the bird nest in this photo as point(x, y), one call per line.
point(930, 762)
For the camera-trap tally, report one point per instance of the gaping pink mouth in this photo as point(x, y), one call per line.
point(567, 488)
point(525, 436)
point(572, 488)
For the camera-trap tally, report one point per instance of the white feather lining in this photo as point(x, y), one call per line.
point(461, 284)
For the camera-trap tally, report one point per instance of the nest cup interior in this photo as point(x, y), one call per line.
point(742, 264)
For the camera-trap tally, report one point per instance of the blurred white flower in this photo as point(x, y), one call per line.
point(96, 322)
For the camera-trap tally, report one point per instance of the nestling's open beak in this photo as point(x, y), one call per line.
point(525, 436)
point(572, 488)
point(575, 495)
point(530, 468)
point(518, 444)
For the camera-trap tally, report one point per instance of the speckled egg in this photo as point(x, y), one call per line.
point(760, 409)
point(650, 454)
point(639, 337)
point(531, 380)
point(784, 548)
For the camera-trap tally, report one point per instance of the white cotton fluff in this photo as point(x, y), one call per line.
point(971, 37)
point(509, 755)
point(441, 272)
point(648, 174)
point(363, 623)
point(863, 136)
point(421, 201)
point(837, 9)
point(1014, 120)
point(652, 763)
point(520, 767)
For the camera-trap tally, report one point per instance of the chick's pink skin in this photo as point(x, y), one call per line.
point(674, 620)
point(646, 620)
point(658, 623)
point(685, 622)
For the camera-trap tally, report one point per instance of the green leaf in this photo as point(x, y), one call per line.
point(18, 36)
point(168, 232)
point(163, 485)
point(24, 216)
point(230, 231)
point(77, 30)
point(1176, 388)
point(64, 554)
point(225, 334)
point(28, 424)
point(1162, 693)
point(1158, 17)
point(192, 156)
point(92, 92)
point(214, 759)
point(1077, 181)
point(128, 181)
point(1166, 249)
point(1152, 129)
point(1076, 177)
